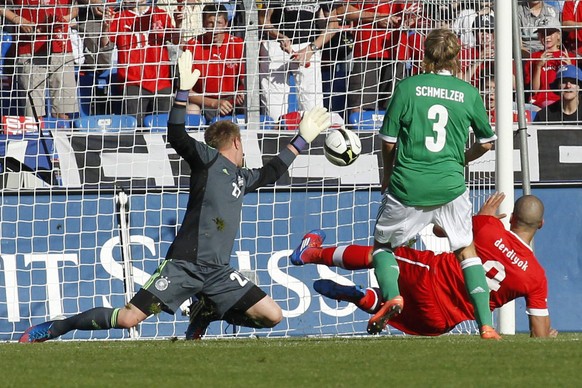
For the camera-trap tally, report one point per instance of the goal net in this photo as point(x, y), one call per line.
point(71, 144)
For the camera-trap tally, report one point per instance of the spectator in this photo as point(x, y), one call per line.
point(488, 93)
point(572, 20)
point(220, 59)
point(567, 109)
point(479, 59)
point(45, 57)
point(187, 19)
point(140, 33)
point(293, 35)
point(187, 16)
point(8, 15)
point(541, 71)
point(98, 47)
point(529, 13)
point(379, 52)
point(463, 24)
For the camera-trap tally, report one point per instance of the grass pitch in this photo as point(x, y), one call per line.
point(384, 361)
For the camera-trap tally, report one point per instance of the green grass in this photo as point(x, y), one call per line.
point(456, 360)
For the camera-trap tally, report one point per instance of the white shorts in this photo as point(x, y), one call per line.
point(397, 223)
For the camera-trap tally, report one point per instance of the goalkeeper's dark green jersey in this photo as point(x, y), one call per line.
point(429, 117)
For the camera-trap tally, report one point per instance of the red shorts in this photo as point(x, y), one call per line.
point(422, 313)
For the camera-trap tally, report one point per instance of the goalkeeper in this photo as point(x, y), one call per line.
point(198, 259)
point(433, 284)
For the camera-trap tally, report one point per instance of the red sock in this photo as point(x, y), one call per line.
point(371, 302)
point(347, 256)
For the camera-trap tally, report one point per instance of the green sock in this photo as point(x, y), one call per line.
point(476, 285)
point(386, 271)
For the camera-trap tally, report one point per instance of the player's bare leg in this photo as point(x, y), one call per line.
point(263, 314)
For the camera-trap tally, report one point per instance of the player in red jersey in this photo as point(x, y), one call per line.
point(140, 32)
point(433, 285)
point(220, 59)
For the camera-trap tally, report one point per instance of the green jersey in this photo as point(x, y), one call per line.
point(429, 117)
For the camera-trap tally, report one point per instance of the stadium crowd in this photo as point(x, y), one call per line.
point(65, 59)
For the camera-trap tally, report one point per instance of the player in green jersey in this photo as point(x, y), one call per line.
point(424, 133)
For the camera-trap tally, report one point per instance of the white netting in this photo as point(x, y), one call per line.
point(60, 244)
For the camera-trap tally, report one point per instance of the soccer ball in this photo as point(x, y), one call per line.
point(342, 147)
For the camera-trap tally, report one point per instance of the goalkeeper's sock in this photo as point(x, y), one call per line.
point(386, 271)
point(347, 256)
point(98, 318)
point(476, 285)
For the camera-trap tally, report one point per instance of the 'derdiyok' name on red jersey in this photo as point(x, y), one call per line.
point(511, 255)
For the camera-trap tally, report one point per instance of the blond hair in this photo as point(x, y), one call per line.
point(441, 51)
point(221, 133)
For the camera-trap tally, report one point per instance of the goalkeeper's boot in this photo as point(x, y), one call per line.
point(202, 313)
point(333, 290)
point(489, 333)
point(313, 239)
point(38, 333)
point(388, 310)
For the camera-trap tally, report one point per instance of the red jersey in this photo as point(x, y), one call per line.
point(222, 67)
point(542, 97)
point(372, 41)
point(143, 58)
point(51, 27)
point(572, 11)
point(434, 288)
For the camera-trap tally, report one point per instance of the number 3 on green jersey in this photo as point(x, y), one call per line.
point(429, 117)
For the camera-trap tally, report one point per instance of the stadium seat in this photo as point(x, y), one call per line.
point(159, 122)
point(267, 122)
point(366, 120)
point(105, 123)
point(53, 123)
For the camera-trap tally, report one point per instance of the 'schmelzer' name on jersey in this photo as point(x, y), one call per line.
point(431, 91)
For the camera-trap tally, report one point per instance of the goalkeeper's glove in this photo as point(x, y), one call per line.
point(312, 124)
point(188, 77)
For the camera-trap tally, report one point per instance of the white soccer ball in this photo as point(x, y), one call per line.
point(342, 147)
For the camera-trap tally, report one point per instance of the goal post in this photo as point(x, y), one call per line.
point(504, 129)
